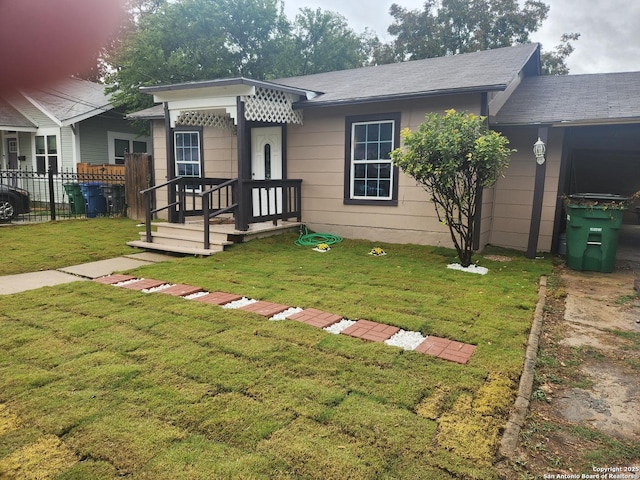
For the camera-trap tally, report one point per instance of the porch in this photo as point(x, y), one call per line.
point(209, 214)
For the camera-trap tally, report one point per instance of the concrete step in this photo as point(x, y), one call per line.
point(175, 248)
point(193, 231)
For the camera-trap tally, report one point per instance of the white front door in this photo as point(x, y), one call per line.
point(266, 164)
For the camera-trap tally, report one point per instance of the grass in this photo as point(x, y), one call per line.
point(111, 382)
point(51, 245)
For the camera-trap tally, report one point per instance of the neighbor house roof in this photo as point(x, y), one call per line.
point(470, 72)
point(70, 101)
point(12, 119)
point(601, 98)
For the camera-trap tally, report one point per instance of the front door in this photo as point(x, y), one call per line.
point(266, 164)
point(12, 153)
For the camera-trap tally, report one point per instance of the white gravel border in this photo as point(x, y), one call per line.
point(286, 314)
point(243, 302)
point(127, 282)
point(159, 288)
point(470, 268)
point(338, 327)
point(407, 340)
point(195, 295)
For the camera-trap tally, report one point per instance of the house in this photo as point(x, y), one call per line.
point(314, 149)
point(61, 125)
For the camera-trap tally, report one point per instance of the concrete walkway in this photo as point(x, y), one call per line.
point(76, 273)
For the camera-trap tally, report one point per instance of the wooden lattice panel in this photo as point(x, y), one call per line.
point(205, 119)
point(271, 106)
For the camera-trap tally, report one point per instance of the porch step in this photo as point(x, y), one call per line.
point(190, 231)
point(175, 248)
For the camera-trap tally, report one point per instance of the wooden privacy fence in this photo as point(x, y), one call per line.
point(138, 174)
point(87, 171)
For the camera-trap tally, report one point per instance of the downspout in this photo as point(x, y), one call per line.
point(244, 170)
point(171, 164)
point(477, 220)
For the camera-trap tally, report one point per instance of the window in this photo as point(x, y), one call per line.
point(122, 143)
point(46, 153)
point(187, 146)
point(370, 177)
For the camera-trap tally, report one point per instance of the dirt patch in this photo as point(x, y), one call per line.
point(585, 408)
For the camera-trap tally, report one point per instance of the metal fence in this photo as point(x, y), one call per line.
point(55, 195)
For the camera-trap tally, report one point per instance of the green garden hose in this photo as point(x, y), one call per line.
point(307, 239)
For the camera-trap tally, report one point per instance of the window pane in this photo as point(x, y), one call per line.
point(53, 164)
point(385, 149)
point(139, 147)
point(386, 131)
point(179, 138)
point(372, 151)
point(52, 147)
point(358, 151)
point(359, 188)
point(385, 170)
point(360, 170)
point(40, 146)
point(385, 188)
point(121, 146)
point(372, 170)
point(360, 134)
point(40, 165)
point(373, 131)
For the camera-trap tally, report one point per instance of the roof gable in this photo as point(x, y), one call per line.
point(600, 98)
point(70, 101)
point(12, 119)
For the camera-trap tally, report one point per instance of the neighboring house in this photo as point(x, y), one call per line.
point(62, 125)
point(334, 131)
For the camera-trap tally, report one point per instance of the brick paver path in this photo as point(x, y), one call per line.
point(363, 329)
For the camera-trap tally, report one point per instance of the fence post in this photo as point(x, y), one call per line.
point(52, 194)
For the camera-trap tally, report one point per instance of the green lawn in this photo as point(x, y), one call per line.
point(102, 382)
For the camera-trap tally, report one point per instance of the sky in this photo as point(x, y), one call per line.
point(609, 33)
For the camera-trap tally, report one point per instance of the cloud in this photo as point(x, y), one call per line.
point(608, 41)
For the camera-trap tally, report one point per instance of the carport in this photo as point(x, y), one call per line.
point(593, 125)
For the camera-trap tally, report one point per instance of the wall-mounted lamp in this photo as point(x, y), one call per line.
point(538, 150)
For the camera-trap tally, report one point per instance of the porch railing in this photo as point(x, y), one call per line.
point(250, 201)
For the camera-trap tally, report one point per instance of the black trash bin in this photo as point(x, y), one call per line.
point(115, 197)
point(96, 203)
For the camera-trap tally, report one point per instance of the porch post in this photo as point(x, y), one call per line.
point(171, 164)
point(538, 193)
point(244, 170)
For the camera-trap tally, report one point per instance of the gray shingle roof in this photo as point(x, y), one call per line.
point(573, 98)
point(478, 71)
point(11, 119)
point(72, 100)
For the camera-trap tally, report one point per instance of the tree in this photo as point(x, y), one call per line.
point(453, 156)
point(189, 40)
point(449, 27)
point(553, 63)
point(321, 41)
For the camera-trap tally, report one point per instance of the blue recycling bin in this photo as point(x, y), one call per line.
point(95, 202)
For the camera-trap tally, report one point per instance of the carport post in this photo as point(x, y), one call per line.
point(538, 194)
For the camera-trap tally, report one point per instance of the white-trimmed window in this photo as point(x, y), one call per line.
point(123, 143)
point(369, 171)
point(47, 151)
point(188, 153)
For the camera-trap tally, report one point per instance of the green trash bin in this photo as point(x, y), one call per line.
point(593, 225)
point(76, 199)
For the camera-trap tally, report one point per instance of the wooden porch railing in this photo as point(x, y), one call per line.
point(250, 201)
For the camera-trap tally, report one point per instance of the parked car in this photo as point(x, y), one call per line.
point(13, 201)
